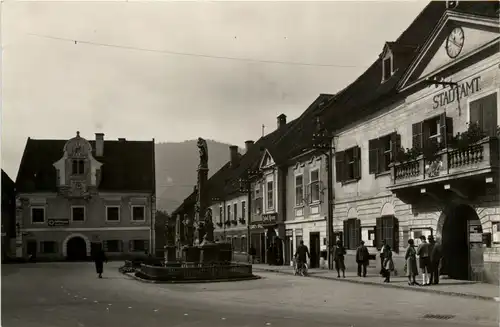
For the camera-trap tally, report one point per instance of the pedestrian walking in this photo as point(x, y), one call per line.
point(382, 250)
point(362, 259)
point(424, 260)
point(436, 256)
point(388, 264)
point(99, 259)
point(338, 255)
point(411, 263)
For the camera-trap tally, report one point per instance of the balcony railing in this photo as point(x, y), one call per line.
point(478, 158)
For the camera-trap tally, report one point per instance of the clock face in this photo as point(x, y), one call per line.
point(455, 42)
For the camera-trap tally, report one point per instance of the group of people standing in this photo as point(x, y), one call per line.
point(427, 256)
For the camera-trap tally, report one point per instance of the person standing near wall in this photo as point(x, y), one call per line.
point(362, 258)
point(424, 260)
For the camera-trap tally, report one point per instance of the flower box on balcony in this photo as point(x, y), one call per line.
point(234, 222)
point(227, 223)
point(242, 221)
point(478, 157)
point(219, 224)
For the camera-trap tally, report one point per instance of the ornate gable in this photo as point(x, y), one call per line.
point(77, 171)
point(266, 161)
point(456, 37)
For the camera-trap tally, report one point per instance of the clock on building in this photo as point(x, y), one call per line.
point(455, 42)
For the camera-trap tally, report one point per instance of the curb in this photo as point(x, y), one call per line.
point(133, 276)
point(421, 289)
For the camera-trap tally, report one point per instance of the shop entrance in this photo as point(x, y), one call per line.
point(461, 234)
point(314, 246)
point(76, 249)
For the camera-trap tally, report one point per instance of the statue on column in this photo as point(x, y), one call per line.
point(203, 149)
point(188, 229)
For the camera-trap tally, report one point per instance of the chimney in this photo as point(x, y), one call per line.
point(281, 121)
point(233, 155)
point(122, 139)
point(248, 145)
point(99, 144)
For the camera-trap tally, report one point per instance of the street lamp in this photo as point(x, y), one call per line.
point(245, 187)
point(322, 141)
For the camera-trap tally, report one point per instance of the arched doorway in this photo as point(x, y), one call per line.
point(461, 254)
point(76, 249)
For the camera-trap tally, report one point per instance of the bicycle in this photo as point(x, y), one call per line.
point(302, 270)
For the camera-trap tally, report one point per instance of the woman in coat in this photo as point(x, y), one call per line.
point(411, 263)
point(388, 264)
point(99, 259)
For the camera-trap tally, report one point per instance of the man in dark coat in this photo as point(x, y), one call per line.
point(435, 259)
point(99, 259)
point(362, 258)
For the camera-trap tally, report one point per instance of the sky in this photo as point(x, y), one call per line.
point(174, 71)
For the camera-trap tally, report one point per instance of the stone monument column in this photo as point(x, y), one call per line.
point(170, 236)
point(202, 201)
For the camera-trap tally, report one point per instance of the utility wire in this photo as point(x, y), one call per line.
point(108, 45)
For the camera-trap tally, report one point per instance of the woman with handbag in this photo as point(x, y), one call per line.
point(411, 263)
point(388, 264)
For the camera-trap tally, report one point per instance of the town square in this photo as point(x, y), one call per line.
point(144, 183)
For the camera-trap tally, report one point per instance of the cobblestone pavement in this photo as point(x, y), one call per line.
point(69, 294)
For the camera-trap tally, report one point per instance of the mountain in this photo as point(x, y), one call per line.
point(176, 165)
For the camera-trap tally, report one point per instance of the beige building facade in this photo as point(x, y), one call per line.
point(75, 194)
point(449, 191)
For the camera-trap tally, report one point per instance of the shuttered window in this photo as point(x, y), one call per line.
point(352, 233)
point(484, 112)
point(382, 152)
point(348, 164)
point(387, 229)
point(437, 130)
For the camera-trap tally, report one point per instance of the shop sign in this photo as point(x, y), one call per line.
point(463, 90)
point(289, 232)
point(269, 218)
point(58, 222)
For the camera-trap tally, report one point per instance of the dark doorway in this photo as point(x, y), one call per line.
point(76, 249)
point(458, 250)
point(314, 246)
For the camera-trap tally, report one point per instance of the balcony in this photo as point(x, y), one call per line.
point(474, 162)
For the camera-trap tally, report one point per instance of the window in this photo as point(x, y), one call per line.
point(352, 233)
point(299, 190)
point(48, 247)
point(257, 205)
point(78, 167)
point(243, 209)
point(138, 213)
point(221, 214)
point(138, 245)
point(37, 215)
point(228, 212)
point(314, 187)
point(382, 151)
point(387, 68)
point(78, 213)
point(270, 195)
point(484, 113)
point(235, 208)
point(113, 246)
point(113, 213)
point(243, 244)
point(236, 244)
point(436, 131)
point(348, 164)
point(387, 229)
